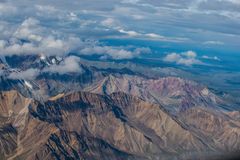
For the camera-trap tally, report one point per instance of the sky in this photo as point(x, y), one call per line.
point(87, 27)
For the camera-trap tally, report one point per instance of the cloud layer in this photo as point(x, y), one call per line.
point(47, 27)
point(202, 21)
point(30, 37)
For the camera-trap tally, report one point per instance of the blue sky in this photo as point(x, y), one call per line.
point(56, 28)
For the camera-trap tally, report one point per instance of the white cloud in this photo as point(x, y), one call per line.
point(151, 36)
point(2, 43)
point(211, 58)
point(155, 12)
point(188, 61)
point(130, 33)
point(105, 19)
point(213, 43)
point(7, 9)
point(28, 74)
point(172, 57)
point(6, 30)
point(109, 22)
point(53, 46)
point(46, 8)
point(114, 52)
point(190, 54)
point(117, 25)
point(130, 1)
point(185, 58)
point(39, 41)
point(29, 29)
point(142, 50)
point(138, 17)
point(237, 2)
point(68, 65)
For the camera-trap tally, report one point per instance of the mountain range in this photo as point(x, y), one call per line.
point(106, 112)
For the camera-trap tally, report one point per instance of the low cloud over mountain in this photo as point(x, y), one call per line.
point(185, 58)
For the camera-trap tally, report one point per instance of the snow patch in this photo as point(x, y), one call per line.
point(54, 61)
point(28, 84)
point(205, 92)
point(59, 58)
point(42, 57)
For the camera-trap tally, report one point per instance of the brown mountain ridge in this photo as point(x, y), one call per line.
point(83, 125)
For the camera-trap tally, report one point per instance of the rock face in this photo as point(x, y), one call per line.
point(175, 94)
point(84, 125)
point(13, 109)
point(221, 130)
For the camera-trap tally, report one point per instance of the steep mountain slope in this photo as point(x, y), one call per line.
point(115, 121)
point(83, 125)
point(220, 129)
point(175, 94)
point(13, 111)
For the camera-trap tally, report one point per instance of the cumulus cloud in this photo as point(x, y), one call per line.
point(68, 65)
point(49, 46)
point(185, 58)
point(37, 40)
point(29, 29)
point(190, 54)
point(114, 52)
point(29, 74)
point(172, 57)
